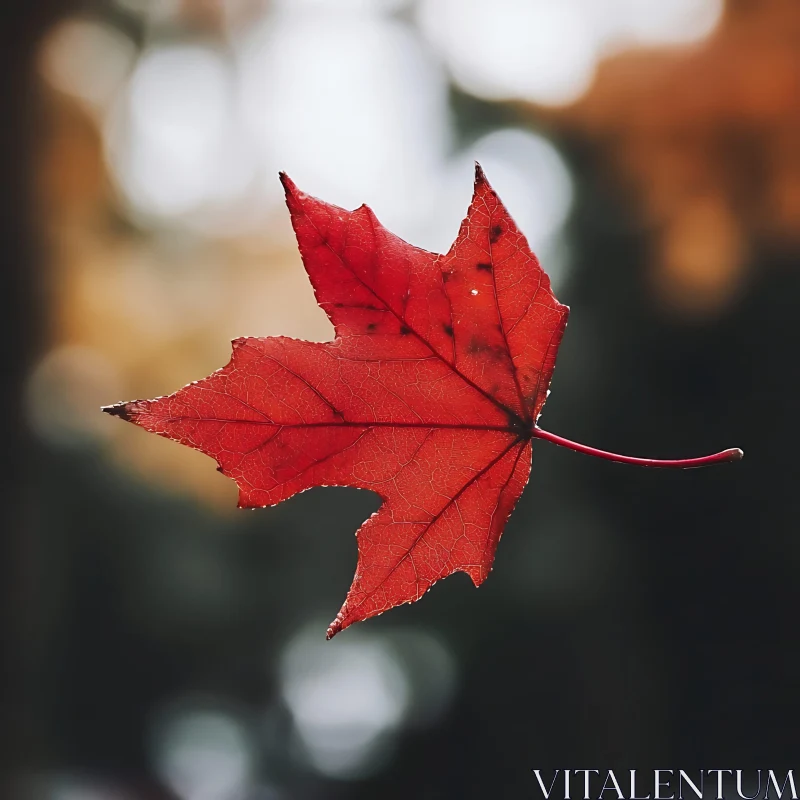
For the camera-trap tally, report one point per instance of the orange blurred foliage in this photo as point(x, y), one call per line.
point(709, 139)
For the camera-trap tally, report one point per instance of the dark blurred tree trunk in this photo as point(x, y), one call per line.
point(22, 23)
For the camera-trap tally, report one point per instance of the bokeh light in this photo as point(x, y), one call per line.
point(203, 753)
point(88, 59)
point(350, 105)
point(172, 143)
point(432, 672)
point(679, 22)
point(64, 393)
point(547, 52)
point(528, 49)
point(346, 699)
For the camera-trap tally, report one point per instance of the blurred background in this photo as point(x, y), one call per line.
point(158, 643)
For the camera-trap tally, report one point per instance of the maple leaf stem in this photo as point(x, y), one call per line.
point(732, 454)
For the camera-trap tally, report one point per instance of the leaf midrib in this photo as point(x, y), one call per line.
point(349, 424)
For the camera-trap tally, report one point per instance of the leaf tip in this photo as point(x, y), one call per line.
point(480, 175)
point(334, 627)
point(120, 410)
point(287, 183)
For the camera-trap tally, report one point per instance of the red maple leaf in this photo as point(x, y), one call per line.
point(428, 395)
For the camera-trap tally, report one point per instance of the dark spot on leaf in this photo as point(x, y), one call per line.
point(483, 267)
point(338, 305)
point(448, 329)
point(495, 233)
point(498, 352)
point(477, 345)
point(371, 327)
point(446, 276)
point(405, 330)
